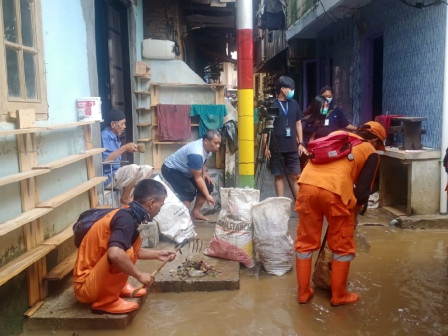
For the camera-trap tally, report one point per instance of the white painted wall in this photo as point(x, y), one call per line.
point(66, 58)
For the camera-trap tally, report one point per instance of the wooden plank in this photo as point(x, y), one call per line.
point(144, 140)
point(142, 70)
point(33, 236)
point(26, 145)
point(61, 237)
point(46, 128)
point(72, 193)
point(26, 118)
point(171, 142)
point(144, 124)
point(73, 124)
point(187, 85)
point(143, 93)
point(37, 289)
point(14, 267)
point(23, 131)
point(21, 263)
point(32, 231)
point(22, 219)
point(30, 312)
point(22, 176)
point(70, 159)
point(62, 269)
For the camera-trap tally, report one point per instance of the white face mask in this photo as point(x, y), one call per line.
point(329, 99)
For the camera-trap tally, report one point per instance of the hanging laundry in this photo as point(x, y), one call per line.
point(174, 122)
point(273, 16)
point(210, 116)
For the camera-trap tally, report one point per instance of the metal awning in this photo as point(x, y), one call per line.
point(321, 15)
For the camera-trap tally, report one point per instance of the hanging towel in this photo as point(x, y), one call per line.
point(174, 122)
point(210, 116)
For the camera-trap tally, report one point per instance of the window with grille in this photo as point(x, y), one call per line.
point(22, 58)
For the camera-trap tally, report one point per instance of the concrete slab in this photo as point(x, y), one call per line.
point(226, 276)
point(423, 222)
point(63, 311)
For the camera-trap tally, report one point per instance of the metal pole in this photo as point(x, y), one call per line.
point(244, 26)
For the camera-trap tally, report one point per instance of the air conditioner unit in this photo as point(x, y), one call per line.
point(158, 49)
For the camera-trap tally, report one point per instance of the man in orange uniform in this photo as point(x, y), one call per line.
point(110, 249)
point(336, 190)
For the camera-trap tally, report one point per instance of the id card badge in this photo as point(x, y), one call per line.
point(287, 132)
point(327, 122)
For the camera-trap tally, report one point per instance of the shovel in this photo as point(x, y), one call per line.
point(157, 270)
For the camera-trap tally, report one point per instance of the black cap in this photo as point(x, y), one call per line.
point(115, 115)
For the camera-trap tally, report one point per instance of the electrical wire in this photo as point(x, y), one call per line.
point(333, 17)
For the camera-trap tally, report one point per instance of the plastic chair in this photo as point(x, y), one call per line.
point(110, 164)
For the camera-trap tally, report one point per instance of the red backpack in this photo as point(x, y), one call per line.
point(332, 147)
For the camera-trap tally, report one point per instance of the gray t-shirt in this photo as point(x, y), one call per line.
point(191, 156)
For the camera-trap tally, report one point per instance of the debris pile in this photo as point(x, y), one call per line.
point(196, 269)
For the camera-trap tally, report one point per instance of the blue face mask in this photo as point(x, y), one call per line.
point(329, 100)
point(324, 110)
point(290, 94)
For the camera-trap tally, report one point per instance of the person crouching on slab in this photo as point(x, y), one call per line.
point(108, 253)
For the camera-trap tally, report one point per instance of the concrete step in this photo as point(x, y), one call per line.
point(63, 311)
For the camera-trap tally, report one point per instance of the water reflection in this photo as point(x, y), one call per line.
point(401, 277)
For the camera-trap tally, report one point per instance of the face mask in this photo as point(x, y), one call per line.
point(324, 110)
point(290, 94)
point(329, 100)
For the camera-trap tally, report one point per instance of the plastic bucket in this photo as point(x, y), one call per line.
point(89, 108)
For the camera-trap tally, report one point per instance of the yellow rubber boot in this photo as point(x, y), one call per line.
point(303, 271)
point(339, 275)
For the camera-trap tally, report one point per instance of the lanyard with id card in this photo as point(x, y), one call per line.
point(285, 111)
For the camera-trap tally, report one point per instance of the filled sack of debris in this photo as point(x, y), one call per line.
point(273, 245)
point(233, 238)
point(174, 219)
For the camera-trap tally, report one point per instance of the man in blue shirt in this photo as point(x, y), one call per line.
point(126, 177)
point(185, 171)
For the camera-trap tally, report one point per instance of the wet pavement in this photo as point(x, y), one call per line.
point(401, 276)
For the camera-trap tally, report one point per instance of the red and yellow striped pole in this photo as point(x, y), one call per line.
point(244, 28)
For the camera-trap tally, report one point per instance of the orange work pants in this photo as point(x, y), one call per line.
point(312, 204)
point(105, 282)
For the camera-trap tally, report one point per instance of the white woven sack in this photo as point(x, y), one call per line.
point(174, 219)
point(273, 244)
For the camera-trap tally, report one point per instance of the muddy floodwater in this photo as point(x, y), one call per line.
point(401, 277)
